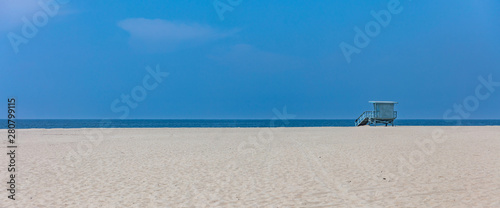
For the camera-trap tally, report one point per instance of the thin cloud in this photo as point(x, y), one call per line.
point(169, 35)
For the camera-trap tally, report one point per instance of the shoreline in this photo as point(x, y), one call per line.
point(379, 126)
point(270, 123)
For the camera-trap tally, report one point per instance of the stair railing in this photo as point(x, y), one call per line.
point(363, 116)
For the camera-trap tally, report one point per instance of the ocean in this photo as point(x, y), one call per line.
point(221, 123)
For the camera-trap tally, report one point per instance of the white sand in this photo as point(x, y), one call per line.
point(232, 167)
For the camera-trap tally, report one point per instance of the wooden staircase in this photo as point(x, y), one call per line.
point(364, 118)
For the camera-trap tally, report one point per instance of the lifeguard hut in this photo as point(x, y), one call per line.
point(383, 112)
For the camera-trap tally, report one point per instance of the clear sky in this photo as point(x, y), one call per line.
point(242, 59)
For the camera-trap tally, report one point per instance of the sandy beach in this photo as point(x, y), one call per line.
point(256, 167)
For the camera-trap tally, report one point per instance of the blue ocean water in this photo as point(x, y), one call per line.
point(191, 123)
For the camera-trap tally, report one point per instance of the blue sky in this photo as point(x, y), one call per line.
point(262, 55)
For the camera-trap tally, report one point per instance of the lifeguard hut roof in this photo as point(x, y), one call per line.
point(383, 102)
